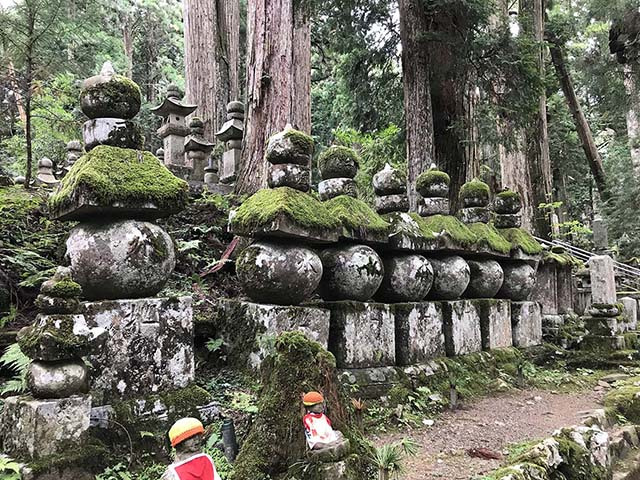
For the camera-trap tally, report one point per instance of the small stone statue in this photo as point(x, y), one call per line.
point(321, 437)
point(190, 463)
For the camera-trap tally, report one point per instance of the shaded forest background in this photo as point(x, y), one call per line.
point(488, 69)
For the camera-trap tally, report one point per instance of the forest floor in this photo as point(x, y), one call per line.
point(498, 423)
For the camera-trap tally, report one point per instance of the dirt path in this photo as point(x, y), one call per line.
point(491, 423)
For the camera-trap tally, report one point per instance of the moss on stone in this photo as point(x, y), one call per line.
point(355, 214)
point(431, 177)
point(118, 94)
point(91, 457)
point(520, 238)
point(109, 175)
point(338, 161)
point(300, 140)
point(56, 333)
point(432, 226)
point(65, 289)
point(276, 439)
point(266, 205)
point(508, 195)
point(578, 462)
point(475, 189)
point(625, 400)
point(487, 236)
point(563, 259)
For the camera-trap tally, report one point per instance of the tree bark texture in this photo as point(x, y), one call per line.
point(232, 14)
point(206, 70)
point(417, 93)
point(633, 115)
point(278, 89)
point(580, 121)
point(537, 134)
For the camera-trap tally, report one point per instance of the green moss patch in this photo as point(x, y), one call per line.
point(338, 161)
point(265, 206)
point(563, 259)
point(431, 177)
point(475, 189)
point(487, 236)
point(520, 238)
point(434, 225)
point(108, 175)
point(302, 141)
point(118, 95)
point(356, 214)
point(58, 341)
point(65, 289)
point(624, 401)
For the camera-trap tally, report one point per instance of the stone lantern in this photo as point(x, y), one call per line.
point(197, 149)
point(231, 133)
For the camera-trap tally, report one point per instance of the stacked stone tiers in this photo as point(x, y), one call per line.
point(433, 188)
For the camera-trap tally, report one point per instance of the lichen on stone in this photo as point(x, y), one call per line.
point(338, 161)
point(109, 175)
point(57, 333)
point(487, 236)
point(475, 189)
point(432, 177)
point(118, 94)
point(266, 205)
point(355, 214)
point(520, 238)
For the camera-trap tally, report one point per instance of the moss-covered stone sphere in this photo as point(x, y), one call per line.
point(290, 146)
point(116, 97)
point(352, 272)
point(475, 194)
point(122, 259)
point(506, 202)
point(433, 183)
point(407, 278)
point(280, 274)
point(451, 277)
point(390, 181)
point(338, 162)
point(519, 280)
point(486, 279)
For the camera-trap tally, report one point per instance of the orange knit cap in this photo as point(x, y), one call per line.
point(183, 429)
point(312, 398)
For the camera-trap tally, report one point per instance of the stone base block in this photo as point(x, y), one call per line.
point(606, 326)
point(362, 335)
point(474, 215)
point(461, 327)
point(275, 319)
point(148, 346)
point(507, 220)
point(526, 324)
point(630, 312)
point(495, 323)
point(370, 383)
point(419, 334)
point(434, 206)
point(602, 343)
point(33, 429)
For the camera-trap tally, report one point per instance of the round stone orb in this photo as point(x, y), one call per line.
point(519, 280)
point(121, 259)
point(280, 274)
point(486, 279)
point(57, 379)
point(351, 272)
point(407, 278)
point(451, 277)
point(110, 96)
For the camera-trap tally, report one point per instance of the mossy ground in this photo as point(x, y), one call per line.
point(520, 238)
point(356, 214)
point(266, 205)
point(111, 174)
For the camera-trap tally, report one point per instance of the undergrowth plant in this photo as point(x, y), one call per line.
point(16, 361)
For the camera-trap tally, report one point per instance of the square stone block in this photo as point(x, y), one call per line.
point(526, 324)
point(32, 429)
point(419, 334)
point(370, 383)
point(462, 332)
point(276, 319)
point(630, 312)
point(603, 279)
point(148, 346)
point(230, 165)
point(495, 323)
point(361, 334)
point(606, 326)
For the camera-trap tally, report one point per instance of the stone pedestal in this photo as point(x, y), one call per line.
point(461, 327)
point(630, 313)
point(361, 334)
point(419, 334)
point(37, 428)
point(526, 324)
point(603, 280)
point(148, 345)
point(495, 323)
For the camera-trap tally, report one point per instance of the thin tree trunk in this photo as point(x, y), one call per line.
point(417, 93)
point(537, 135)
point(204, 79)
point(232, 14)
point(16, 91)
point(28, 90)
point(127, 41)
point(633, 116)
point(582, 127)
point(278, 88)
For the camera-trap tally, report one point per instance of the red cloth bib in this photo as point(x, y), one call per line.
point(198, 467)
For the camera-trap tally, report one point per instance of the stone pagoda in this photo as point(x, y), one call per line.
point(231, 134)
point(197, 149)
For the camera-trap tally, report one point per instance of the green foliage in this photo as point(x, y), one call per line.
point(16, 361)
point(9, 469)
point(120, 471)
point(388, 458)
point(111, 174)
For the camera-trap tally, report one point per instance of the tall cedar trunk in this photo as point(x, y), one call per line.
point(633, 115)
point(537, 135)
point(232, 14)
point(278, 88)
point(450, 90)
point(127, 41)
point(582, 127)
point(417, 94)
point(28, 89)
point(206, 74)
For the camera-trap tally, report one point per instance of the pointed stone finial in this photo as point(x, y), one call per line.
point(107, 69)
